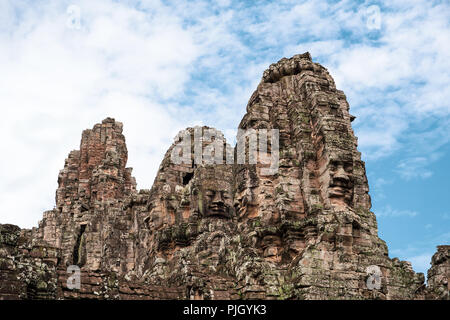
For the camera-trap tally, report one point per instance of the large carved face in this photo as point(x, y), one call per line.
point(340, 188)
point(217, 202)
point(271, 244)
point(214, 191)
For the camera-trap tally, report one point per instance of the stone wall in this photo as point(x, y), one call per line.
point(27, 268)
point(439, 274)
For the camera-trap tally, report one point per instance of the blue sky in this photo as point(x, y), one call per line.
point(162, 66)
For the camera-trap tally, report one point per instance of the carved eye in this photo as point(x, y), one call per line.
point(225, 195)
point(348, 167)
point(210, 194)
point(334, 165)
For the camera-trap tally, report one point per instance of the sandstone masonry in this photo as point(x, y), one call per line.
point(221, 231)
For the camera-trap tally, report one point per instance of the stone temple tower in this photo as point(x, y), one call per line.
point(314, 216)
point(222, 231)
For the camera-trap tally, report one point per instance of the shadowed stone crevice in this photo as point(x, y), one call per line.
point(187, 177)
point(79, 257)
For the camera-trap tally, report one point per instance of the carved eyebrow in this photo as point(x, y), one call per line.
point(334, 162)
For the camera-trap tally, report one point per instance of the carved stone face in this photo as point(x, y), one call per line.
point(214, 192)
point(155, 220)
point(217, 203)
point(271, 244)
point(340, 189)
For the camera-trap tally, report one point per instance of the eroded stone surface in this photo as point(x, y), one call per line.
point(227, 231)
point(439, 274)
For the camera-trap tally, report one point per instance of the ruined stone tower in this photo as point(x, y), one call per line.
point(222, 231)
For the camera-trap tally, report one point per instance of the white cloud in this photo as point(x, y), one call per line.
point(378, 185)
point(388, 211)
point(421, 263)
point(416, 167)
point(58, 81)
point(160, 66)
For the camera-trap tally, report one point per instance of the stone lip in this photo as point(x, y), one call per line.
point(221, 231)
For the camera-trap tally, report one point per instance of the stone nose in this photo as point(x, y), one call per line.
point(217, 197)
point(341, 174)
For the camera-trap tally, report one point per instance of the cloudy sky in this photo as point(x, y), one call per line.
point(160, 66)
